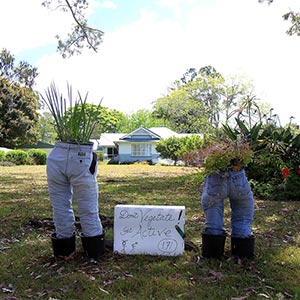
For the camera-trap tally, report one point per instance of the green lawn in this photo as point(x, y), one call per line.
point(29, 270)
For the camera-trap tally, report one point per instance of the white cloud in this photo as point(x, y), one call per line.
point(28, 25)
point(173, 5)
point(136, 63)
point(108, 4)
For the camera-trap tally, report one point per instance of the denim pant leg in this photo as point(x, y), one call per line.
point(85, 189)
point(212, 200)
point(242, 205)
point(60, 194)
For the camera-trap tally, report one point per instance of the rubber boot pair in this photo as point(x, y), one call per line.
point(213, 246)
point(93, 246)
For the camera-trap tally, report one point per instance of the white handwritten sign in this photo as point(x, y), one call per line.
point(149, 229)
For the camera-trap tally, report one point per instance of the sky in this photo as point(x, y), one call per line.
point(148, 44)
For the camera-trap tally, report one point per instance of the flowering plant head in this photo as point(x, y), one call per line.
point(285, 172)
point(220, 155)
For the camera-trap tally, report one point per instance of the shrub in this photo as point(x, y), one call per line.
point(18, 157)
point(2, 155)
point(37, 156)
point(171, 148)
point(275, 149)
point(6, 163)
point(100, 155)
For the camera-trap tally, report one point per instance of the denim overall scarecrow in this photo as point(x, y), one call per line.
point(72, 170)
point(230, 183)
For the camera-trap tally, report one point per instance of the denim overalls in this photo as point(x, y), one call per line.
point(235, 186)
point(71, 168)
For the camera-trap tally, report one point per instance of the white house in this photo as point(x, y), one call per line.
point(138, 145)
point(4, 149)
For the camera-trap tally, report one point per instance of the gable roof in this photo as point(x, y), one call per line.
point(140, 134)
point(108, 139)
point(163, 132)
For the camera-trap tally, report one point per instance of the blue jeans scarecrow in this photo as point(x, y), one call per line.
point(235, 186)
point(72, 169)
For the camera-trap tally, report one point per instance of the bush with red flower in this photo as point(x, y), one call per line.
point(285, 172)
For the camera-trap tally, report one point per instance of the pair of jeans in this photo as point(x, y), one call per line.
point(235, 186)
point(72, 170)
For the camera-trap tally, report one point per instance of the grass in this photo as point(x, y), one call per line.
point(29, 270)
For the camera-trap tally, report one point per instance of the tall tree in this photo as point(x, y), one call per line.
point(142, 117)
point(194, 104)
point(108, 120)
point(22, 73)
point(182, 113)
point(292, 16)
point(46, 128)
point(18, 114)
point(81, 35)
point(201, 101)
point(18, 102)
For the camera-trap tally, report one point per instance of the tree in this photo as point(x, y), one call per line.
point(81, 34)
point(174, 147)
point(181, 112)
point(22, 73)
point(18, 102)
point(108, 120)
point(142, 117)
point(292, 16)
point(171, 148)
point(208, 88)
point(189, 75)
point(18, 114)
point(195, 102)
point(46, 128)
point(200, 103)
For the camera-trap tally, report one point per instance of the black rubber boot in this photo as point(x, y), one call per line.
point(64, 246)
point(213, 245)
point(243, 247)
point(93, 246)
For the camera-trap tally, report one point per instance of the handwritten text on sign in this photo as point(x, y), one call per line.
point(149, 229)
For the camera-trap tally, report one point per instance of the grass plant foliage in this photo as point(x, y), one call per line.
point(29, 270)
point(74, 121)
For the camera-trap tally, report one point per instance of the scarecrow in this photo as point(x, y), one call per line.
point(71, 171)
point(225, 178)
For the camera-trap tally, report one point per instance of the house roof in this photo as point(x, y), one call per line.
point(4, 149)
point(141, 133)
point(163, 132)
point(138, 135)
point(108, 139)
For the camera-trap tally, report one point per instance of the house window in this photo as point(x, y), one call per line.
point(141, 150)
point(112, 152)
